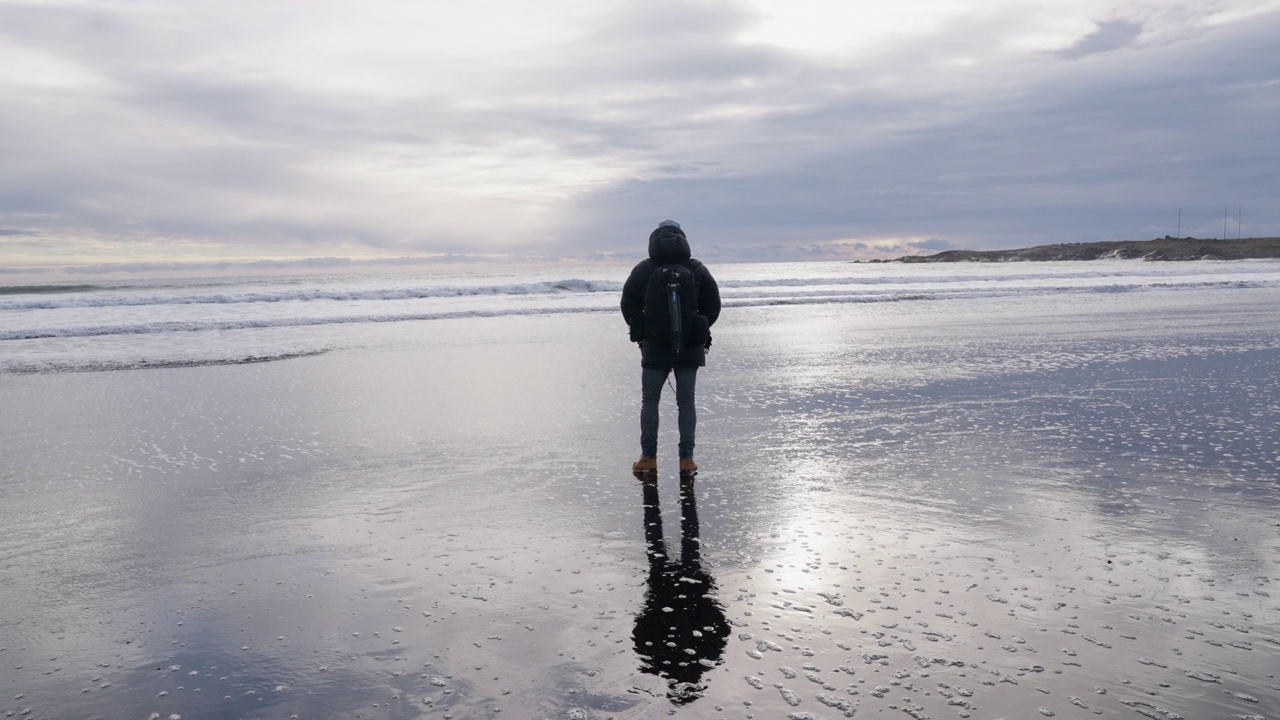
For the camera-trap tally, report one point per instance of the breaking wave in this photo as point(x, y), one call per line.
point(80, 299)
point(183, 322)
point(765, 294)
point(52, 297)
point(29, 368)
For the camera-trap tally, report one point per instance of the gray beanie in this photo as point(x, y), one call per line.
point(669, 223)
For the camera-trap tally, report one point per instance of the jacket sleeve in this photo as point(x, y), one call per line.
point(709, 296)
point(633, 291)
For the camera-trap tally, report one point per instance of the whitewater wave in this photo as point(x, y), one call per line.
point(95, 296)
point(309, 294)
point(803, 297)
point(255, 324)
point(45, 289)
point(33, 368)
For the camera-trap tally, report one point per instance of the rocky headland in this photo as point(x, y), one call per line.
point(1165, 248)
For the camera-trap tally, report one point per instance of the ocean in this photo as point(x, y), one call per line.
point(80, 325)
point(940, 491)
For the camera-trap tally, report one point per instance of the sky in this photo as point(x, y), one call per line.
point(154, 133)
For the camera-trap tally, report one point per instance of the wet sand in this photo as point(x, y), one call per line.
point(1065, 508)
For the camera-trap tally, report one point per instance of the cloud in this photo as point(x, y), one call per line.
point(267, 130)
point(1050, 153)
point(932, 244)
point(1110, 35)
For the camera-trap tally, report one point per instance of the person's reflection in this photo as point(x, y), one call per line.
point(682, 631)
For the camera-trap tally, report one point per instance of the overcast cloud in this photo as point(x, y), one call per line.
point(171, 132)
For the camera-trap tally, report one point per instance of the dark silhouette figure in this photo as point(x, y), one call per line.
point(682, 631)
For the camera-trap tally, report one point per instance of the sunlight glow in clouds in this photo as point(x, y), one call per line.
point(567, 128)
point(392, 48)
point(852, 28)
point(863, 29)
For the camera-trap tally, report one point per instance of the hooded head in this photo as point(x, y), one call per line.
point(668, 244)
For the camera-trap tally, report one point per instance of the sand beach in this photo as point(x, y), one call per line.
point(983, 505)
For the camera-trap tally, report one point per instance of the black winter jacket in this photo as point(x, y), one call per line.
point(669, 245)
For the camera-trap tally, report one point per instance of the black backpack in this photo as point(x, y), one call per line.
point(671, 307)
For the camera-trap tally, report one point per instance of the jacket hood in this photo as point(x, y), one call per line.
point(668, 244)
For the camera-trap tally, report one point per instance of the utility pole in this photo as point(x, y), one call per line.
point(1224, 223)
point(1239, 224)
point(1179, 222)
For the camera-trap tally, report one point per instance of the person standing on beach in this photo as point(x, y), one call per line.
point(670, 284)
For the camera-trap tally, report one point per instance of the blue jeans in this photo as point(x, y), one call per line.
point(651, 381)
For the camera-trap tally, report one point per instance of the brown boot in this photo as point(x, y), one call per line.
point(645, 465)
point(688, 466)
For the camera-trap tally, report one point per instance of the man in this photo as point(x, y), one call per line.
point(670, 284)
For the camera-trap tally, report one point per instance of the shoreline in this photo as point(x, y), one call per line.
point(899, 509)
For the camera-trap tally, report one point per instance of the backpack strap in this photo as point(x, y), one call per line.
point(693, 265)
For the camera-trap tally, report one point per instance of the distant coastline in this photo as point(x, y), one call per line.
point(1165, 248)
